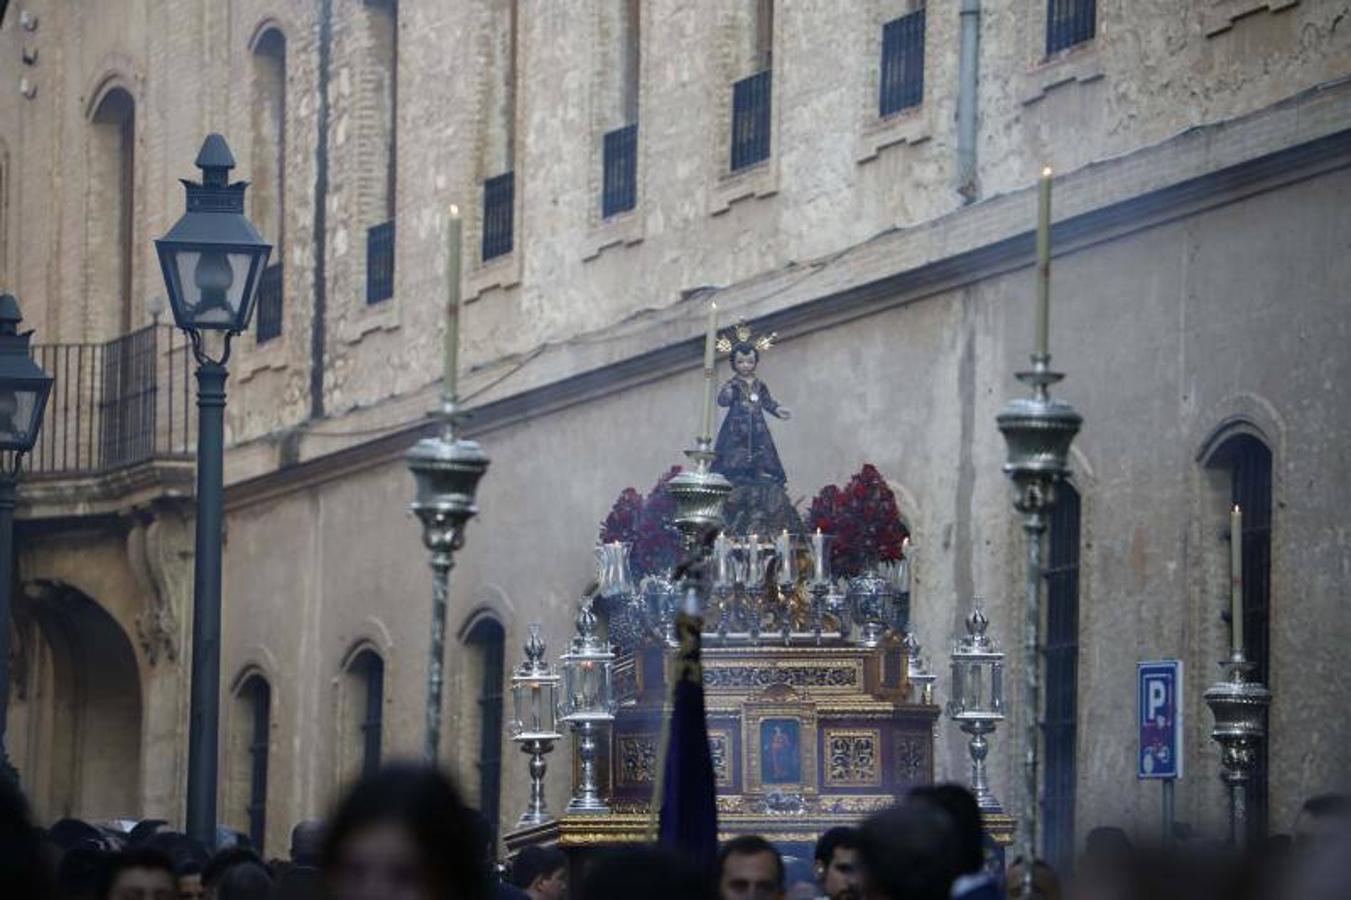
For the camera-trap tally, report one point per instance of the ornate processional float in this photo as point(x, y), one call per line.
point(819, 709)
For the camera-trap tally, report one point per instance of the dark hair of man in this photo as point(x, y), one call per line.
point(133, 858)
point(909, 853)
point(845, 836)
point(428, 806)
point(307, 842)
point(71, 833)
point(750, 845)
point(1334, 805)
point(962, 808)
point(245, 881)
point(532, 862)
point(143, 830)
point(650, 872)
point(222, 860)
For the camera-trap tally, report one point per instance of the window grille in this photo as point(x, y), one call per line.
point(499, 201)
point(902, 83)
point(269, 303)
point(1069, 22)
point(380, 262)
point(750, 120)
point(258, 695)
point(489, 637)
point(371, 669)
point(620, 182)
point(1249, 463)
point(1062, 677)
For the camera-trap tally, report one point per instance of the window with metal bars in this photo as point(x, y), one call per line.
point(1069, 22)
point(1061, 655)
point(257, 694)
point(620, 188)
point(380, 262)
point(750, 120)
point(902, 82)
point(490, 640)
point(1248, 462)
point(499, 203)
point(269, 303)
point(369, 670)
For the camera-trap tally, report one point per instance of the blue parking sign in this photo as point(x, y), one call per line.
point(1160, 718)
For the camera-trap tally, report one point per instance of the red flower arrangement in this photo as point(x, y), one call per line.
point(646, 524)
point(865, 520)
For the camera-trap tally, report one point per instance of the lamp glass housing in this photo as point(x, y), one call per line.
point(535, 703)
point(211, 286)
point(22, 403)
point(588, 685)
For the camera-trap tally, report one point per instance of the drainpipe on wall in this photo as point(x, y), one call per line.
point(318, 326)
point(967, 77)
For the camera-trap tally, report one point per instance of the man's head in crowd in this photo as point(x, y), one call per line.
point(307, 842)
point(542, 872)
point(750, 868)
point(957, 802)
point(837, 865)
point(909, 852)
point(139, 874)
point(222, 862)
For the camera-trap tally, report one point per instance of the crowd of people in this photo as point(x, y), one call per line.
point(404, 833)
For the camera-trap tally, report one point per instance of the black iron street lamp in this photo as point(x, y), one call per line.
point(23, 398)
point(212, 259)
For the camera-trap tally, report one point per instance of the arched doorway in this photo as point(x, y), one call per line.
point(75, 707)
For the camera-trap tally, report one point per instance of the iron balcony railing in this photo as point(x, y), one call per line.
point(619, 192)
point(380, 262)
point(902, 85)
point(115, 404)
point(1069, 22)
point(269, 303)
point(499, 204)
point(750, 120)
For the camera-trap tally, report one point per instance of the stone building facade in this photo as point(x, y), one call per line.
point(1203, 154)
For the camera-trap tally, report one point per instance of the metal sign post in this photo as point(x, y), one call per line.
point(1160, 720)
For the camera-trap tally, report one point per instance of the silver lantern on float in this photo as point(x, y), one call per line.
point(588, 704)
point(534, 723)
point(977, 701)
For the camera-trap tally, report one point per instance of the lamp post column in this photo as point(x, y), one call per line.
point(204, 717)
point(442, 563)
point(7, 769)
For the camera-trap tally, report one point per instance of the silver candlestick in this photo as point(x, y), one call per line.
point(447, 472)
point(1038, 432)
point(1240, 709)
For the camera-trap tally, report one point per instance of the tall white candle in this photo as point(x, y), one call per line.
point(787, 565)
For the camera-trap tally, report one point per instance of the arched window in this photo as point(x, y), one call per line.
point(1062, 674)
point(109, 238)
point(366, 698)
point(499, 159)
point(1247, 463)
point(268, 182)
point(378, 140)
point(487, 643)
point(254, 715)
